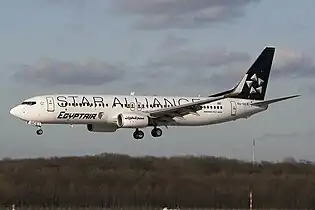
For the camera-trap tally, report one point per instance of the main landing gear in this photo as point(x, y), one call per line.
point(138, 134)
point(156, 132)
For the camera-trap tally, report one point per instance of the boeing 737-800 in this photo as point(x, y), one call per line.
point(109, 113)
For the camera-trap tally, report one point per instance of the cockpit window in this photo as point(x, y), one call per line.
point(30, 103)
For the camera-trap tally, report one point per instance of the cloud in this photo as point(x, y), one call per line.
point(77, 9)
point(193, 67)
point(218, 68)
point(196, 60)
point(52, 72)
point(287, 63)
point(163, 14)
point(181, 65)
point(172, 42)
point(290, 63)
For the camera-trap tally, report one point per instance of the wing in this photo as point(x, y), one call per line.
point(181, 110)
point(193, 107)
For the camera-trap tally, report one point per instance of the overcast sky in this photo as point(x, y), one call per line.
point(166, 47)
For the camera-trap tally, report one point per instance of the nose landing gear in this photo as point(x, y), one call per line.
point(39, 130)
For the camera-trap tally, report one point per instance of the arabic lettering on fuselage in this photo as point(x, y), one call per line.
point(134, 118)
point(64, 100)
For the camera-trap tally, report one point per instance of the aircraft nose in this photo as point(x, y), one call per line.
point(13, 111)
point(19, 112)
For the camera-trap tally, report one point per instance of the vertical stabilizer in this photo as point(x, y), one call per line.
point(257, 76)
point(254, 83)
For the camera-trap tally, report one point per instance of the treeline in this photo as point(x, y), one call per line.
point(111, 180)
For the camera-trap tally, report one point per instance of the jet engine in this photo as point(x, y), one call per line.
point(101, 127)
point(132, 120)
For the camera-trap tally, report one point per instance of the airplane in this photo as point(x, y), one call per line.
point(109, 113)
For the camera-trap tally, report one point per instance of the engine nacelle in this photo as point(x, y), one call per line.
point(132, 120)
point(101, 127)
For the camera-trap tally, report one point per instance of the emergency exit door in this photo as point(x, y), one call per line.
point(50, 104)
point(233, 108)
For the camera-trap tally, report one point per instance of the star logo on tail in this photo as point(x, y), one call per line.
point(255, 84)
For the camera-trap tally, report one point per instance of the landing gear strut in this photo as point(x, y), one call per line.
point(38, 125)
point(138, 134)
point(156, 132)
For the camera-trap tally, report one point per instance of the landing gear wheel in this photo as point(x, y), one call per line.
point(156, 132)
point(39, 132)
point(138, 134)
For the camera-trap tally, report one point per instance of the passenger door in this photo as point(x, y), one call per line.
point(50, 104)
point(233, 108)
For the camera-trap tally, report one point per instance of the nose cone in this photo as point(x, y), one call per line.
point(20, 112)
point(14, 111)
point(17, 112)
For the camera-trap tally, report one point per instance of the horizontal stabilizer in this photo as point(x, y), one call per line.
point(264, 103)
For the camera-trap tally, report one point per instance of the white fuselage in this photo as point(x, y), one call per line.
point(104, 109)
